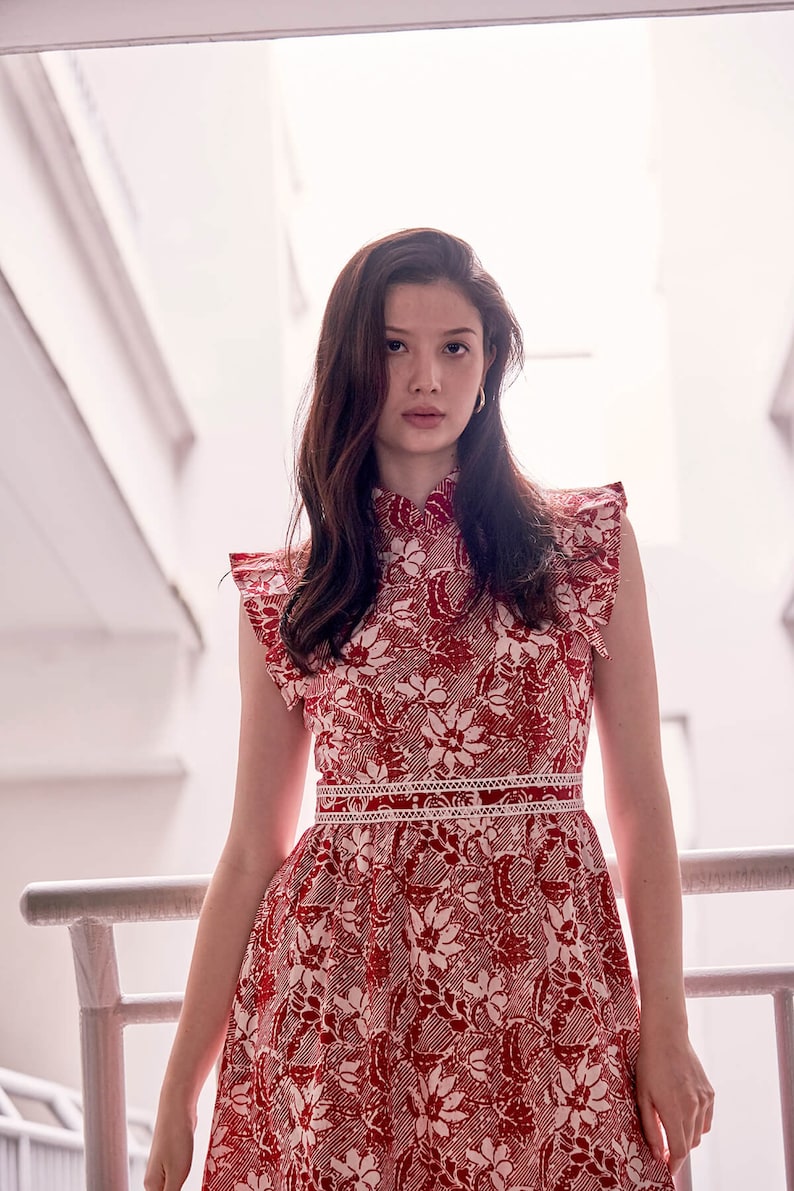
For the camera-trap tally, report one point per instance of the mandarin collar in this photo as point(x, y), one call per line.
point(397, 514)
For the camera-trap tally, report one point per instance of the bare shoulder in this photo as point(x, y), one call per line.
point(624, 685)
point(628, 631)
point(272, 757)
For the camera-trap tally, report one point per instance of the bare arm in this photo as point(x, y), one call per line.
point(671, 1084)
point(271, 771)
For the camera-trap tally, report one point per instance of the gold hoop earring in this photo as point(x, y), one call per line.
point(480, 406)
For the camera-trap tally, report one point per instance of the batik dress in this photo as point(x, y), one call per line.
point(436, 994)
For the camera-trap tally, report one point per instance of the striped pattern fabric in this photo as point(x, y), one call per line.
point(436, 992)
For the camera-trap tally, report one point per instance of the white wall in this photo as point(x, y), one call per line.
point(725, 162)
point(192, 133)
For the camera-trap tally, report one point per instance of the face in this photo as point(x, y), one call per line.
point(436, 363)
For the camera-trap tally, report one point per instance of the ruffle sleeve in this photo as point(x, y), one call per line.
point(265, 585)
point(589, 569)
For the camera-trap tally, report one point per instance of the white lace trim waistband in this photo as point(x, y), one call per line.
point(362, 793)
point(453, 784)
point(387, 814)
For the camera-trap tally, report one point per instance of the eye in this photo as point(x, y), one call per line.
point(393, 346)
point(456, 349)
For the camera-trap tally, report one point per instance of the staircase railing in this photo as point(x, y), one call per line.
point(37, 1155)
point(91, 909)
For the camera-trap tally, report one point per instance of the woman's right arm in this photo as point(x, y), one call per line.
point(271, 772)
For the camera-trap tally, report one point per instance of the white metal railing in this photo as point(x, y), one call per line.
point(38, 1156)
point(91, 908)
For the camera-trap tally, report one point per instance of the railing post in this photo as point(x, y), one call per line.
point(23, 1158)
point(102, 1051)
point(683, 1180)
point(784, 1032)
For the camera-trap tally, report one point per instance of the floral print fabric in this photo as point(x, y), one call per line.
point(436, 994)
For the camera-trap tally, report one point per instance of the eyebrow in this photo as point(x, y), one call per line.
point(454, 331)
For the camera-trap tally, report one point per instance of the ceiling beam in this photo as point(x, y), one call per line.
point(38, 25)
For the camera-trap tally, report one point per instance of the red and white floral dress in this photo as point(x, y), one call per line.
point(436, 994)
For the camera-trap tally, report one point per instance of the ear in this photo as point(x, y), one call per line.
point(489, 359)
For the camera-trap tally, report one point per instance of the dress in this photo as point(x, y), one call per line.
point(436, 994)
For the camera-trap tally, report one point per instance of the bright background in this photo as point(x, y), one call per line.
point(628, 183)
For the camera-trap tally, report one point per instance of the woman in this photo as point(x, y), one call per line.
point(431, 989)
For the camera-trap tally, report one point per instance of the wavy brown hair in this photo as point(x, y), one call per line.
point(506, 523)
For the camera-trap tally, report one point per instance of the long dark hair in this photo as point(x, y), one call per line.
point(507, 525)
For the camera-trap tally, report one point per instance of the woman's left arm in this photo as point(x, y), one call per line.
point(671, 1084)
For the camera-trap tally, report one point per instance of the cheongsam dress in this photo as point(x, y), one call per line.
point(436, 994)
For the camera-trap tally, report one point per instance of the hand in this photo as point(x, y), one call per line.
point(672, 1093)
point(171, 1152)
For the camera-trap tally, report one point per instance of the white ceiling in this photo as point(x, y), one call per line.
point(35, 25)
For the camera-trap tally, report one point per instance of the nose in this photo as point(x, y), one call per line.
point(425, 374)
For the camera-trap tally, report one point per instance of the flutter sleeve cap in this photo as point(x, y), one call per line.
point(589, 571)
point(266, 584)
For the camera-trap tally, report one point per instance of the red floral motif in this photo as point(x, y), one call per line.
point(366, 653)
point(495, 1160)
point(445, 650)
point(435, 1105)
point(447, 593)
point(439, 1003)
point(359, 1172)
point(432, 936)
point(454, 739)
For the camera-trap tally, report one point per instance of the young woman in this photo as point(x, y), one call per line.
point(430, 990)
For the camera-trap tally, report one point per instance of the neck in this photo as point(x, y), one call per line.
point(414, 478)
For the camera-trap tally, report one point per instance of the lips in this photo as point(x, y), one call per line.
point(423, 416)
point(423, 421)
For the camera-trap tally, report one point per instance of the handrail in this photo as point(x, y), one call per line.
point(91, 908)
point(120, 899)
point(729, 870)
point(170, 899)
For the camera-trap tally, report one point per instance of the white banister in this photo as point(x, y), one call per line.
point(90, 908)
point(102, 1048)
point(122, 899)
point(730, 870)
point(35, 1156)
point(784, 1035)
